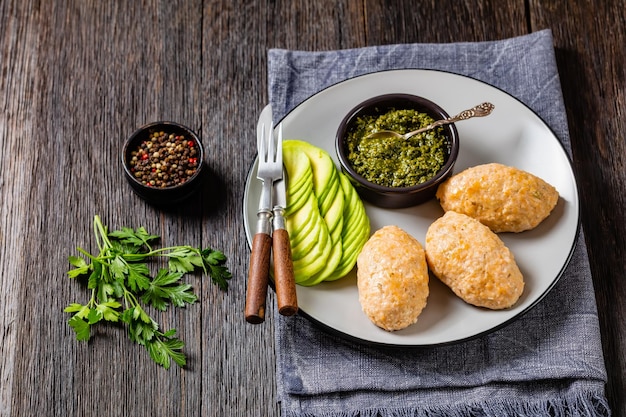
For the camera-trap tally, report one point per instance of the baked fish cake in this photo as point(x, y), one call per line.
point(504, 198)
point(392, 278)
point(473, 261)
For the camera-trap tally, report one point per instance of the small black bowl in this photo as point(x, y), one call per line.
point(166, 195)
point(397, 197)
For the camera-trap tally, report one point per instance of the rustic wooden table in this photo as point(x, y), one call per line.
point(78, 76)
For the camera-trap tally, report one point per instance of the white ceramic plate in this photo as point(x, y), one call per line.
point(512, 135)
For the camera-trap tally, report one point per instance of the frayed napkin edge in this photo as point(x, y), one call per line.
point(582, 404)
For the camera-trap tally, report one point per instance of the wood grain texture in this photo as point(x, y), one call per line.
point(16, 90)
point(258, 278)
point(78, 76)
point(589, 39)
point(284, 280)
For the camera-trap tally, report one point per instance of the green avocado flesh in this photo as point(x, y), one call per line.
point(325, 217)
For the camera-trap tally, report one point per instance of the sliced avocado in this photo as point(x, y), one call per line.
point(297, 166)
point(331, 265)
point(298, 220)
point(326, 219)
point(314, 261)
point(304, 246)
point(332, 193)
point(355, 231)
point(334, 214)
point(297, 199)
point(321, 163)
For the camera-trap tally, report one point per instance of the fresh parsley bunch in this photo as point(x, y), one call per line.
point(120, 283)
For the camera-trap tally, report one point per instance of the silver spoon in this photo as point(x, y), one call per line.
point(481, 110)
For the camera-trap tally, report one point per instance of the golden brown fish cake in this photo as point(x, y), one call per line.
point(504, 198)
point(392, 278)
point(472, 260)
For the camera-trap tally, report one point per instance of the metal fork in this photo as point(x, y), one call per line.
point(270, 164)
point(270, 169)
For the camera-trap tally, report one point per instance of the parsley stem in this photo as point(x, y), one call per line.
point(100, 258)
point(92, 302)
point(101, 233)
point(160, 251)
point(130, 299)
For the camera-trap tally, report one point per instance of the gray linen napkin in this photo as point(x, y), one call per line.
point(548, 363)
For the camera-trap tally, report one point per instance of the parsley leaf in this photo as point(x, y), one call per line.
point(138, 238)
point(109, 310)
point(165, 286)
point(120, 280)
point(80, 265)
point(81, 327)
point(118, 267)
point(94, 316)
point(181, 260)
point(163, 349)
point(214, 261)
point(138, 276)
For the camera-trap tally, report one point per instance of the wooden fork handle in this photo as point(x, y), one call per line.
point(283, 273)
point(258, 278)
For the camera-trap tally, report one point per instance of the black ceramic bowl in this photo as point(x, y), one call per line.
point(191, 162)
point(397, 197)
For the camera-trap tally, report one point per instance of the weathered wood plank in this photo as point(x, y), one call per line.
point(101, 70)
point(442, 22)
point(19, 54)
point(589, 39)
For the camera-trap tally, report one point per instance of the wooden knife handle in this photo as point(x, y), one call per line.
point(258, 278)
point(283, 274)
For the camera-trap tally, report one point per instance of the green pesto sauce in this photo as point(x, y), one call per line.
point(395, 162)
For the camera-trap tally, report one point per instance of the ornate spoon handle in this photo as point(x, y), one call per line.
point(481, 110)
